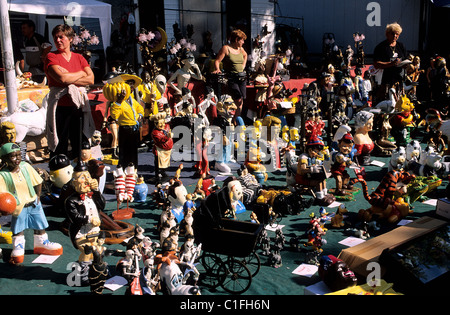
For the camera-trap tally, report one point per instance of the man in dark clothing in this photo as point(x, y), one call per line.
point(36, 48)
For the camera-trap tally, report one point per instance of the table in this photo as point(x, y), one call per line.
point(34, 94)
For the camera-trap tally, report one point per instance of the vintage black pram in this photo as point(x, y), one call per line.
point(228, 255)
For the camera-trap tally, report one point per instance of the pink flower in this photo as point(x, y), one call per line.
point(85, 34)
point(173, 50)
point(95, 40)
point(142, 37)
point(183, 42)
point(76, 40)
point(193, 47)
point(177, 46)
point(150, 36)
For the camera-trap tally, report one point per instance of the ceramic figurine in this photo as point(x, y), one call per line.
point(176, 195)
point(363, 142)
point(250, 185)
point(186, 223)
point(162, 146)
point(83, 208)
point(170, 243)
point(171, 277)
point(182, 76)
point(225, 113)
point(337, 221)
point(166, 222)
point(384, 204)
point(98, 270)
point(140, 190)
point(61, 172)
point(311, 172)
point(274, 258)
point(202, 165)
point(340, 161)
point(235, 195)
point(24, 182)
point(403, 122)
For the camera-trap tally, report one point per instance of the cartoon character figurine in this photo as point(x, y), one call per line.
point(225, 113)
point(162, 146)
point(340, 161)
point(363, 143)
point(24, 182)
point(82, 208)
point(385, 205)
point(311, 172)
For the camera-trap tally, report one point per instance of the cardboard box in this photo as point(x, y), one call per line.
point(359, 256)
point(443, 208)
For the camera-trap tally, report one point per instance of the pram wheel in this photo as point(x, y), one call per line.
point(235, 277)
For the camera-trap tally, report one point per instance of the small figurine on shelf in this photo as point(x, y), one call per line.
point(166, 222)
point(202, 165)
point(82, 208)
point(363, 142)
point(235, 195)
point(162, 146)
point(21, 180)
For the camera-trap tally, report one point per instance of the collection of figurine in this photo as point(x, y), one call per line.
point(279, 137)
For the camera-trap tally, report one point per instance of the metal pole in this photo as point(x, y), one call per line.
point(8, 58)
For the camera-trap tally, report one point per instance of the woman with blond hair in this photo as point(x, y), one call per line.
point(387, 56)
point(234, 59)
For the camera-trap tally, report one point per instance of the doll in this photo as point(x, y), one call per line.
point(24, 182)
point(363, 143)
point(162, 146)
point(83, 208)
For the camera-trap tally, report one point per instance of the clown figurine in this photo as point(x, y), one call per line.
point(311, 173)
point(24, 182)
point(162, 146)
point(82, 208)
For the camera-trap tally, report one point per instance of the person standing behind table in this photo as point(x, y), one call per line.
point(36, 48)
point(69, 114)
point(234, 59)
point(387, 56)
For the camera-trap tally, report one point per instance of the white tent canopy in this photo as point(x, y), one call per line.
point(69, 8)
